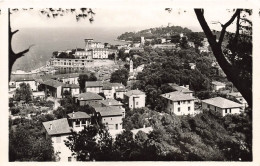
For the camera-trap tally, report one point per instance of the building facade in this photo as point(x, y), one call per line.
point(135, 99)
point(222, 105)
point(179, 103)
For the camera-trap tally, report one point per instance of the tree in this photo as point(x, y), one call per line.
point(239, 68)
point(92, 143)
point(92, 77)
point(82, 80)
point(24, 92)
point(82, 13)
point(119, 76)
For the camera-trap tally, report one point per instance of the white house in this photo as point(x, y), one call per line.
point(112, 117)
point(135, 99)
point(72, 88)
point(94, 86)
point(179, 103)
point(222, 105)
point(87, 98)
point(58, 130)
point(78, 120)
point(216, 85)
point(53, 88)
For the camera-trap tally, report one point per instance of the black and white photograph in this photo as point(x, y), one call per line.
point(90, 84)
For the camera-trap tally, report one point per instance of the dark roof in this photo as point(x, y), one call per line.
point(78, 115)
point(109, 111)
point(177, 96)
point(59, 126)
point(53, 83)
point(179, 88)
point(134, 92)
point(222, 102)
point(89, 96)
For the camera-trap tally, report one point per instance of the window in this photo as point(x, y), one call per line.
point(69, 159)
point(83, 123)
point(58, 139)
point(208, 106)
point(171, 102)
point(188, 102)
point(77, 123)
point(111, 118)
point(136, 103)
point(188, 108)
point(226, 111)
point(179, 109)
point(116, 126)
point(179, 102)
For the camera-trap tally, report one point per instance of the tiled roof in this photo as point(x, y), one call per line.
point(109, 111)
point(59, 126)
point(52, 83)
point(177, 96)
point(134, 92)
point(111, 102)
point(93, 84)
point(222, 102)
point(179, 88)
point(217, 83)
point(78, 115)
point(89, 96)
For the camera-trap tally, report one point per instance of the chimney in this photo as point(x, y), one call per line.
point(50, 126)
point(73, 114)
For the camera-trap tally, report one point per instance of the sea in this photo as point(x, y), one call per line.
point(44, 41)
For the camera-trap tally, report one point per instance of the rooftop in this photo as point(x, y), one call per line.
point(93, 84)
point(23, 77)
point(109, 111)
point(179, 88)
point(73, 86)
point(120, 90)
point(217, 83)
point(52, 83)
point(111, 102)
point(89, 96)
point(222, 102)
point(59, 126)
point(78, 115)
point(134, 92)
point(177, 96)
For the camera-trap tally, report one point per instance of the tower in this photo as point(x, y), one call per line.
point(88, 44)
point(142, 40)
point(131, 66)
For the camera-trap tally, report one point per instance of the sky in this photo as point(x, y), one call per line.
point(128, 18)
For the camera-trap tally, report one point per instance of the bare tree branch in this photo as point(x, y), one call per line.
point(223, 31)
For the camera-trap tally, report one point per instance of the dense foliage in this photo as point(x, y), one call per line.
point(27, 140)
point(205, 137)
point(120, 76)
point(153, 33)
point(24, 93)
